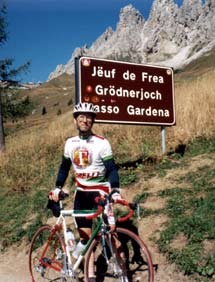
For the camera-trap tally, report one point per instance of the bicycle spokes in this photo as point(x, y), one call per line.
point(47, 254)
point(125, 259)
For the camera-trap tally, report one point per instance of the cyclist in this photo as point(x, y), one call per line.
point(91, 157)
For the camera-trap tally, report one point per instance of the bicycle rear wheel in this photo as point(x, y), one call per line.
point(131, 263)
point(47, 254)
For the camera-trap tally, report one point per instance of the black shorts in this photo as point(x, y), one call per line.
point(84, 201)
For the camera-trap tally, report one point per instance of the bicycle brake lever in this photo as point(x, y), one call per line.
point(63, 195)
point(136, 208)
point(101, 201)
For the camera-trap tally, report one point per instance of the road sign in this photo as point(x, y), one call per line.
point(126, 93)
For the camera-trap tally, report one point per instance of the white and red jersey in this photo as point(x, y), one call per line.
point(87, 156)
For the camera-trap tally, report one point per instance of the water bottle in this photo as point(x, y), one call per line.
point(70, 240)
point(78, 249)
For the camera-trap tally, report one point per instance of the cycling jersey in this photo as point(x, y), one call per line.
point(92, 162)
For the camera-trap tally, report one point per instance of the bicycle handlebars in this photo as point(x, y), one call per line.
point(131, 211)
point(62, 195)
point(102, 202)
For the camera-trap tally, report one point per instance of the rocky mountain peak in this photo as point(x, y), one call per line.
point(130, 15)
point(162, 9)
point(190, 11)
point(172, 36)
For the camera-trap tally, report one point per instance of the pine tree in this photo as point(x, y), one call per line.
point(7, 72)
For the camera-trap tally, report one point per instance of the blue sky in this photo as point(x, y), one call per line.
point(46, 32)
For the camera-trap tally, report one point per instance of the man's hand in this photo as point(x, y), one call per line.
point(115, 194)
point(54, 194)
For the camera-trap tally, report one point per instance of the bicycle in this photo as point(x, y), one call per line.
point(119, 255)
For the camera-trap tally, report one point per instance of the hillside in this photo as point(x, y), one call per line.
point(55, 97)
point(176, 190)
point(198, 67)
point(58, 95)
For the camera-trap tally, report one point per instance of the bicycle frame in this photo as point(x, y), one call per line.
point(61, 260)
point(61, 224)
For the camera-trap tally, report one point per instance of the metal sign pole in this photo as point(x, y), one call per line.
point(163, 139)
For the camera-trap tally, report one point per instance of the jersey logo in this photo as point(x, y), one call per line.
point(81, 157)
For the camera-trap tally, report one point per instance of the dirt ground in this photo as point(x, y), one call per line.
point(14, 263)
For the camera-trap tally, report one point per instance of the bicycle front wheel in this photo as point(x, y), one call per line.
point(128, 261)
point(46, 257)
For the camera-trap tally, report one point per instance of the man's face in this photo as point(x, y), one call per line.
point(84, 122)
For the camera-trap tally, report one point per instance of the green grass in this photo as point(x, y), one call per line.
point(127, 176)
point(190, 209)
point(191, 212)
point(190, 203)
point(23, 197)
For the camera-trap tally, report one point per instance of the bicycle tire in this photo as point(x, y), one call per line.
point(138, 262)
point(46, 256)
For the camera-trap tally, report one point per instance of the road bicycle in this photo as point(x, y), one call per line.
point(119, 255)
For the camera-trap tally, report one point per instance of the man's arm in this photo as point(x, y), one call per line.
point(112, 172)
point(63, 172)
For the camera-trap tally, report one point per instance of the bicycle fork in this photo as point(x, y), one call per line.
point(117, 264)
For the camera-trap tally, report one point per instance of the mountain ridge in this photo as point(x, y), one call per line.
point(172, 36)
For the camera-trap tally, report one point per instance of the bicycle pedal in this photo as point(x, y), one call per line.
point(92, 279)
point(137, 259)
point(40, 269)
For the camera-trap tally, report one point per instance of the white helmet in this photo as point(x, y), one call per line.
point(83, 108)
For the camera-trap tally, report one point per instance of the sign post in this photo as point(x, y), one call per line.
point(126, 93)
point(163, 139)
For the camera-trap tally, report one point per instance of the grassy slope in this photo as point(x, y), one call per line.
point(189, 233)
point(198, 67)
point(177, 208)
point(29, 168)
point(58, 94)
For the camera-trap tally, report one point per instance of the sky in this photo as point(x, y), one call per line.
point(46, 32)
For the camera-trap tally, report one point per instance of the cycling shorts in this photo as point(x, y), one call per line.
point(84, 201)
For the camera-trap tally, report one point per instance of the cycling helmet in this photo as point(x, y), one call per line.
point(83, 108)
